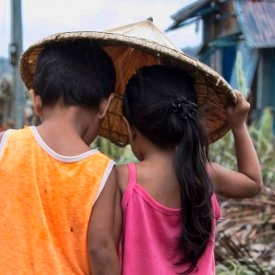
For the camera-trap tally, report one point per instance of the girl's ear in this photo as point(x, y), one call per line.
point(104, 105)
point(36, 102)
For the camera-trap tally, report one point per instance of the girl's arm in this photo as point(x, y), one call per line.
point(118, 219)
point(247, 181)
point(102, 250)
point(122, 178)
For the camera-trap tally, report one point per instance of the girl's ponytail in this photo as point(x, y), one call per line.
point(195, 191)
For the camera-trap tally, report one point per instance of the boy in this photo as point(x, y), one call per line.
point(53, 186)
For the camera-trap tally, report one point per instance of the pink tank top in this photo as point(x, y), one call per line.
point(150, 232)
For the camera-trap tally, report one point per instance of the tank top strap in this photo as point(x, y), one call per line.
point(4, 138)
point(130, 184)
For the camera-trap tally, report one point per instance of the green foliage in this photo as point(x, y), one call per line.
point(241, 80)
point(120, 155)
point(223, 151)
point(263, 137)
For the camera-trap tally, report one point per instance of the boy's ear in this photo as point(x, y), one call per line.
point(36, 102)
point(104, 105)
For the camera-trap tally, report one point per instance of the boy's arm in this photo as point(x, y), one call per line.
point(1, 135)
point(247, 181)
point(102, 252)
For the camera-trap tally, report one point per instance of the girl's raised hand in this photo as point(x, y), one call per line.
point(237, 114)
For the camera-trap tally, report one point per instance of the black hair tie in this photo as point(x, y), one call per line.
point(185, 107)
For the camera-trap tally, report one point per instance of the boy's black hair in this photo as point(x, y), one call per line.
point(160, 102)
point(78, 73)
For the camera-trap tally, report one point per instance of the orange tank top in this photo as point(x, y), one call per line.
point(46, 201)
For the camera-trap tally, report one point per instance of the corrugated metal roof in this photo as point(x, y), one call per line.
point(256, 19)
point(257, 22)
point(190, 11)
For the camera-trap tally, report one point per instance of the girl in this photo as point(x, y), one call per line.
point(169, 207)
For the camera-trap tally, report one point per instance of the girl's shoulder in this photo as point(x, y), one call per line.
point(122, 176)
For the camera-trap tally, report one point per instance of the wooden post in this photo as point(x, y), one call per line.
point(15, 53)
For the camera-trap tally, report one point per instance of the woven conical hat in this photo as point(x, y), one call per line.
point(132, 47)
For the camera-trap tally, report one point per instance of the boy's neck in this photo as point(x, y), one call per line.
point(68, 130)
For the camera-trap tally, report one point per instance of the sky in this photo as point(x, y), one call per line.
point(41, 18)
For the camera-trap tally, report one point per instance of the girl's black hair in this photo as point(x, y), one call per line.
point(160, 101)
point(78, 73)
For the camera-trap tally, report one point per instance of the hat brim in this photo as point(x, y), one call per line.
point(129, 54)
